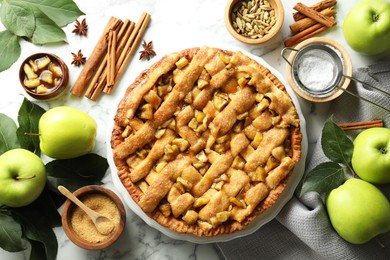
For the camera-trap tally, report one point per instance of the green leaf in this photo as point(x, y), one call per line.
point(28, 118)
point(57, 198)
point(38, 20)
point(62, 12)
point(37, 250)
point(37, 220)
point(47, 208)
point(10, 234)
point(8, 138)
point(323, 178)
point(10, 49)
point(36, 228)
point(75, 173)
point(335, 143)
point(17, 17)
point(46, 31)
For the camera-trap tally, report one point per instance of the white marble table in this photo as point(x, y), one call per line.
point(175, 24)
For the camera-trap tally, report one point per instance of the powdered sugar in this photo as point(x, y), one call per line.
point(316, 70)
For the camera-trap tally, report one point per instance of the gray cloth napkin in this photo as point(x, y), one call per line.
point(302, 229)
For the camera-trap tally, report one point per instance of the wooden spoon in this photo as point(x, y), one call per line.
point(103, 224)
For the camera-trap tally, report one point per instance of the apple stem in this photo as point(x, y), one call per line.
point(375, 17)
point(25, 178)
point(352, 171)
point(380, 243)
point(383, 150)
point(32, 134)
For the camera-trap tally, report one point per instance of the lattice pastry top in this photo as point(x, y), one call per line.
point(205, 139)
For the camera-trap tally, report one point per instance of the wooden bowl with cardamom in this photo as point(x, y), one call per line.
point(79, 227)
point(255, 24)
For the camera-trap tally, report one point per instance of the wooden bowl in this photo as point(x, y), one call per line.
point(55, 91)
point(279, 15)
point(346, 63)
point(68, 211)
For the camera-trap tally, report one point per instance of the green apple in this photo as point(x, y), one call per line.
point(358, 211)
point(371, 155)
point(22, 177)
point(366, 27)
point(66, 132)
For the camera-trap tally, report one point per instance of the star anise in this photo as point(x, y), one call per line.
point(148, 51)
point(81, 28)
point(78, 59)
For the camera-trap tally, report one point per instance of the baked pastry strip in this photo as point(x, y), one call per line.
point(161, 186)
point(271, 139)
point(252, 198)
point(139, 92)
point(221, 165)
point(157, 151)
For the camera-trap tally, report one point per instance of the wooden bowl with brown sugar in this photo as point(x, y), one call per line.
point(79, 227)
point(254, 24)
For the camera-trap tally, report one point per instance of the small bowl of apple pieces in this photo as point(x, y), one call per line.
point(44, 76)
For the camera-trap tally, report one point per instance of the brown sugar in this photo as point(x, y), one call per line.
point(82, 223)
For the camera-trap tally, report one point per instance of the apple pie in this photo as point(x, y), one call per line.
point(205, 139)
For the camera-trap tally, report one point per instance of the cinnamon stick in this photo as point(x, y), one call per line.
point(121, 44)
point(361, 125)
point(308, 22)
point(111, 59)
point(124, 40)
point(315, 15)
point(99, 80)
point(305, 34)
point(317, 7)
point(91, 65)
point(129, 49)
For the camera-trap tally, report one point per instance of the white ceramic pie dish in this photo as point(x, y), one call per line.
point(264, 218)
